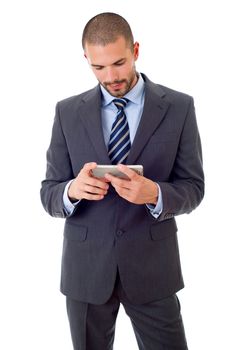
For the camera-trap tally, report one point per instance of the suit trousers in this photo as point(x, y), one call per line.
point(157, 325)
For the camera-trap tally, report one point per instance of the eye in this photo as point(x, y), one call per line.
point(119, 63)
point(98, 68)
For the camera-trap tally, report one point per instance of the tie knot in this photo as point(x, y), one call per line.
point(120, 103)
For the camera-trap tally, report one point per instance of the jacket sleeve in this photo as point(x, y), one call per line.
point(59, 171)
point(185, 189)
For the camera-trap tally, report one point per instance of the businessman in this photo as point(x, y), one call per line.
point(120, 235)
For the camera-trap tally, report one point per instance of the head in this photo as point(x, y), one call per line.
point(111, 52)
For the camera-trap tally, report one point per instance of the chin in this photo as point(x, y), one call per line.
point(118, 93)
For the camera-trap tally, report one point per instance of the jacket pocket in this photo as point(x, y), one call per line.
point(75, 232)
point(163, 230)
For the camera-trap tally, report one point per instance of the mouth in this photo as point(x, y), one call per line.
point(115, 85)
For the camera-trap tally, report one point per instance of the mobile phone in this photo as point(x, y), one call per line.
point(101, 170)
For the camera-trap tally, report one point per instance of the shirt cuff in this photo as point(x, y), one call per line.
point(157, 209)
point(68, 205)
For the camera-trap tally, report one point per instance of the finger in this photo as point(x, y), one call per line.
point(89, 166)
point(102, 179)
point(123, 192)
point(93, 181)
point(132, 175)
point(92, 197)
point(94, 190)
point(116, 181)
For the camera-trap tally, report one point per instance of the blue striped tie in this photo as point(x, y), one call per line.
point(119, 142)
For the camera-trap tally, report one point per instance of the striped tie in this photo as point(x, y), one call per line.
point(119, 142)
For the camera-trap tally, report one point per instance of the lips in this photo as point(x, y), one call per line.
point(116, 86)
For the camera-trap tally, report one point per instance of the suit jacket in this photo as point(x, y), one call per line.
point(101, 236)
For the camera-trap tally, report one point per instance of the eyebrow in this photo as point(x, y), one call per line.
point(117, 62)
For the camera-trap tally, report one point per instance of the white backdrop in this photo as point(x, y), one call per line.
point(185, 45)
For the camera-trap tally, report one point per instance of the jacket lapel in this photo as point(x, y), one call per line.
point(155, 108)
point(90, 114)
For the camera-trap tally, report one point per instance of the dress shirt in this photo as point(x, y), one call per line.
point(133, 111)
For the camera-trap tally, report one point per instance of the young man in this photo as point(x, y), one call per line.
point(120, 235)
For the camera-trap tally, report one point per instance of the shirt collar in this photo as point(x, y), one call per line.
point(135, 95)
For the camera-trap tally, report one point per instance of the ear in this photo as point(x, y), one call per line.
point(136, 50)
point(85, 55)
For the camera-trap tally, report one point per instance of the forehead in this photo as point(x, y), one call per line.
point(108, 54)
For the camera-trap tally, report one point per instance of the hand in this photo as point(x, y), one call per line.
point(138, 189)
point(86, 186)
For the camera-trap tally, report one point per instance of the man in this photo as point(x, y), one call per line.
point(120, 240)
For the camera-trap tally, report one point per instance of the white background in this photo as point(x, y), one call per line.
point(185, 45)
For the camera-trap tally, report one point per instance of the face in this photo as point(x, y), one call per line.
point(114, 65)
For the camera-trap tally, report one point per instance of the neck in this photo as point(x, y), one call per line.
point(135, 80)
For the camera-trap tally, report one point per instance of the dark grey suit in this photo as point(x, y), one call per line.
point(105, 234)
point(102, 236)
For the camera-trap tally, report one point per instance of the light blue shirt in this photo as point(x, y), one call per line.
point(133, 111)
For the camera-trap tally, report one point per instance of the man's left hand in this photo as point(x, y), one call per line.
point(138, 189)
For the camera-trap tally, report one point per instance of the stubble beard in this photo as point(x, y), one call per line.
point(123, 91)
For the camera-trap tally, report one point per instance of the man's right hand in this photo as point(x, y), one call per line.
point(85, 186)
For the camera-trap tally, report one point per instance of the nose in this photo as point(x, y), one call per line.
point(111, 74)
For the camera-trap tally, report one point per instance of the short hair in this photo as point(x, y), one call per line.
point(106, 28)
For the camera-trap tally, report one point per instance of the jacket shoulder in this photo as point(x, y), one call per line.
point(174, 94)
point(169, 94)
point(73, 102)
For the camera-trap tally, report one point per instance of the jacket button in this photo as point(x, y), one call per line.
point(119, 233)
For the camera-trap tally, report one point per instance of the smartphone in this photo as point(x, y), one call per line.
point(101, 170)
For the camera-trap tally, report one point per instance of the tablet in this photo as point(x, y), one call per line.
point(101, 170)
